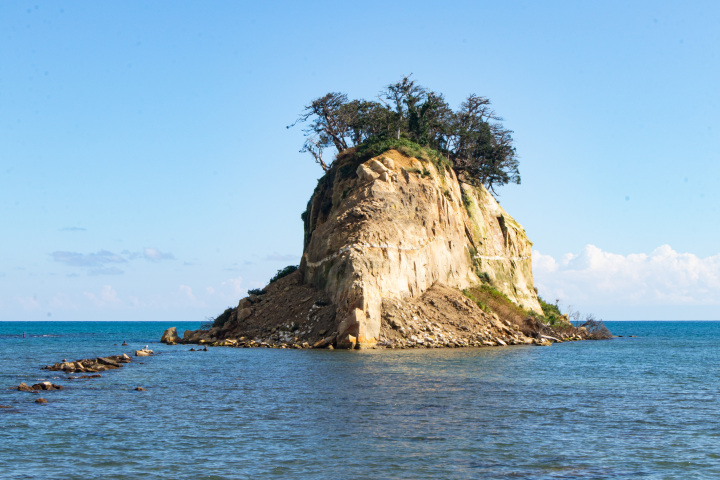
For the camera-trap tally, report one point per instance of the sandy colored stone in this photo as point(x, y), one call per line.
point(170, 336)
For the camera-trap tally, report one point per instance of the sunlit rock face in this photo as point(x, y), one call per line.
point(394, 226)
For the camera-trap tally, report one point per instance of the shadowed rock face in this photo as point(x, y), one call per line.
point(396, 226)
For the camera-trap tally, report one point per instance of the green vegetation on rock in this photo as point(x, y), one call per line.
point(220, 320)
point(492, 300)
point(408, 117)
point(284, 272)
point(551, 312)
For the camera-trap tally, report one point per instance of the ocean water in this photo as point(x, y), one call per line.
point(643, 407)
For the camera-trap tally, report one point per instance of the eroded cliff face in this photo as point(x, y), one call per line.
point(392, 227)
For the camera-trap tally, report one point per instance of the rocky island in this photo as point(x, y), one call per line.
point(403, 247)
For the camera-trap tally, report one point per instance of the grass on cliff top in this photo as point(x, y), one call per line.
point(348, 161)
point(492, 300)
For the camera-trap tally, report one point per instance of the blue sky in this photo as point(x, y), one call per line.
point(146, 172)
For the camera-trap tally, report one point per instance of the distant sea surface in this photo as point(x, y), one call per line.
point(628, 408)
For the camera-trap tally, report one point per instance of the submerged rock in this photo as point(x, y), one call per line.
point(90, 365)
point(109, 362)
point(24, 387)
point(46, 386)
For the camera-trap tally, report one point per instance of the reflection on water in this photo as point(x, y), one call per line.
point(641, 407)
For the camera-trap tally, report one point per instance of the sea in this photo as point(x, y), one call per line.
point(644, 405)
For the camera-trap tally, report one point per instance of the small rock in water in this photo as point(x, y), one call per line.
point(170, 336)
point(83, 377)
point(45, 386)
point(24, 387)
point(41, 400)
point(140, 389)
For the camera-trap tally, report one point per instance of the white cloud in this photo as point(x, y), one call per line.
point(187, 301)
point(62, 300)
point(187, 292)
point(97, 259)
point(29, 303)
point(663, 277)
point(105, 262)
point(155, 255)
point(235, 286)
point(107, 297)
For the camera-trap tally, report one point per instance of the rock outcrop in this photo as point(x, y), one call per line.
point(99, 364)
point(24, 387)
point(386, 237)
point(400, 226)
point(170, 336)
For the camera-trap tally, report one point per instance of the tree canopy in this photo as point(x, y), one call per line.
point(472, 138)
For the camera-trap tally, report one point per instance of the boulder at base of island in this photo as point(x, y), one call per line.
point(170, 336)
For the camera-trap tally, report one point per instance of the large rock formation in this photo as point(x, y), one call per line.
point(390, 242)
point(398, 226)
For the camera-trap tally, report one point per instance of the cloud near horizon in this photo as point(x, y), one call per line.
point(97, 260)
point(104, 262)
point(105, 301)
point(663, 277)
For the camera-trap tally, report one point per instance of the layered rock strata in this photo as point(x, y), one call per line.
point(400, 226)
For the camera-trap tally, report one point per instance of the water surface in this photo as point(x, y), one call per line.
point(643, 407)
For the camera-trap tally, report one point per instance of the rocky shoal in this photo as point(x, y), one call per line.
point(86, 365)
point(432, 336)
point(94, 365)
